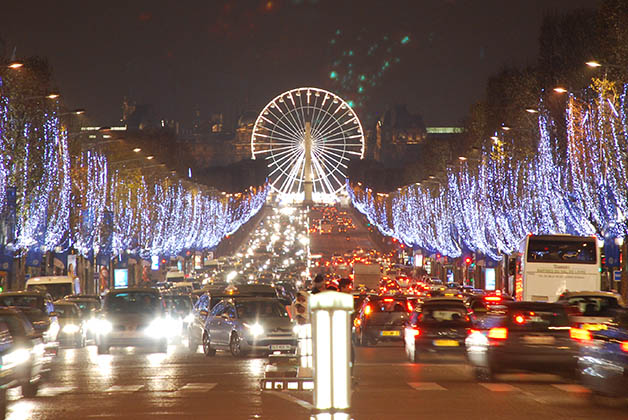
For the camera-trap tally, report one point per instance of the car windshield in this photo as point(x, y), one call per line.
point(178, 303)
point(66, 311)
point(21, 300)
point(435, 314)
point(536, 319)
point(594, 305)
point(260, 309)
point(87, 306)
point(133, 302)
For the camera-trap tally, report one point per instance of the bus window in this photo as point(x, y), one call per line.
point(554, 251)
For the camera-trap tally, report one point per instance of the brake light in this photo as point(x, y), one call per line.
point(389, 300)
point(624, 346)
point(520, 319)
point(410, 308)
point(580, 334)
point(498, 333)
point(492, 299)
point(472, 331)
point(368, 310)
point(357, 322)
point(415, 332)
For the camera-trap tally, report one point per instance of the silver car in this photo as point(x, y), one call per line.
point(249, 325)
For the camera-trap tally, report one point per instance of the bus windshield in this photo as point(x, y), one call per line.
point(561, 251)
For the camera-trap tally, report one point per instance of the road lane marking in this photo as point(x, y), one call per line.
point(124, 388)
point(199, 387)
point(53, 391)
point(500, 387)
point(426, 386)
point(574, 388)
point(291, 398)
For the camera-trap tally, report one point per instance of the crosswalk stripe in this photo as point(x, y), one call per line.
point(574, 388)
point(500, 387)
point(124, 388)
point(53, 391)
point(201, 387)
point(426, 386)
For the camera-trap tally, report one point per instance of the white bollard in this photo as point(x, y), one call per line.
point(330, 316)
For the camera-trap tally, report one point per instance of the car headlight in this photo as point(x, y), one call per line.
point(102, 326)
point(70, 329)
point(158, 328)
point(255, 329)
point(189, 319)
point(15, 358)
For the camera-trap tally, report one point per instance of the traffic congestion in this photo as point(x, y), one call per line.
point(247, 307)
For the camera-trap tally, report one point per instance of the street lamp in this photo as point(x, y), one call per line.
point(560, 89)
point(151, 157)
point(462, 158)
point(137, 150)
point(593, 64)
point(532, 111)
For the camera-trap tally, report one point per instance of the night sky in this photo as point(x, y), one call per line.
point(227, 56)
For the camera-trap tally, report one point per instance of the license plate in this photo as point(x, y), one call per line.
point(446, 343)
point(539, 339)
point(390, 333)
point(281, 347)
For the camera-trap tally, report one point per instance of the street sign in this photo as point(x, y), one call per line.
point(617, 275)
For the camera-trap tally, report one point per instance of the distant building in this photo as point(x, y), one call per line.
point(397, 133)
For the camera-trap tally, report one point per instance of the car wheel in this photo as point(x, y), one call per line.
point(484, 374)
point(207, 348)
point(3, 403)
point(235, 346)
point(29, 389)
point(103, 348)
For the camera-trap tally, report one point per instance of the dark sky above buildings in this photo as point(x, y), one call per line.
point(228, 55)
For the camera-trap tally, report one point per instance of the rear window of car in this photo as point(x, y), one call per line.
point(21, 300)
point(385, 305)
point(443, 313)
point(133, 302)
point(536, 319)
point(66, 311)
point(594, 305)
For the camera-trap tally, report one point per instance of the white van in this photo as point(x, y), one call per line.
point(57, 286)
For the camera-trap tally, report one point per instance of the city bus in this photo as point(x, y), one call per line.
point(548, 265)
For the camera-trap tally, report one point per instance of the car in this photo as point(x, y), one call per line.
point(179, 311)
point(441, 326)
point(73, 330)
point(39, 309)
point(603, 360)
point(531, 336)
point(591, 310)
point(133, 317)
point(89, 307)
point(483, 304)
point(246, 325)
point(21, 355)
point(380, 318)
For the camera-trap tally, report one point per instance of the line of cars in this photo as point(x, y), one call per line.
point(584, 335)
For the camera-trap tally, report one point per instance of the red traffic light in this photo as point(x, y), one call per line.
point(468, 260)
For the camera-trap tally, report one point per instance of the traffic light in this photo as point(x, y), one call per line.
point(468, 260)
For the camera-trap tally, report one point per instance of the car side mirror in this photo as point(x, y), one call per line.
point(203, 313)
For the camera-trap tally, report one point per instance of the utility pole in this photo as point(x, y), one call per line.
point(308, 184)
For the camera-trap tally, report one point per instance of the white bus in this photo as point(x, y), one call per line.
point(548, 265)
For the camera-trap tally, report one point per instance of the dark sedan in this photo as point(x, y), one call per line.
point(603, 362)
point(381, 318)
point(531, 336)
point(441, 327)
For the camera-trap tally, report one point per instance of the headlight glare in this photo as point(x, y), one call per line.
point(70, 329)
point(255, 329)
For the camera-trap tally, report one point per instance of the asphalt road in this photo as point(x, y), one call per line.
point(134, 384)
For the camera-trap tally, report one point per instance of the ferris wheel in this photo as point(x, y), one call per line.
point(280, 133)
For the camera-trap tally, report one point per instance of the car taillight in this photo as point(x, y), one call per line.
point(472, 331)
point(368, 310)
point(415, 332)
point(493, 299)
point(498, 333)
point(624, 346)
point(410, 308)
point(357, 322)
point(520, 319)
point(579, 334)
point(389, 300)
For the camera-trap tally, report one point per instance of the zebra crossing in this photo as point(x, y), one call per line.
point(503, 387)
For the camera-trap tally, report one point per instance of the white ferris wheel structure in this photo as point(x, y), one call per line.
point(307, 136)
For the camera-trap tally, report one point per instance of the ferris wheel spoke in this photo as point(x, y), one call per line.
point(290, 152)
point(337, 130)
point(321, 172)
point(276, 136)
point(335, 163)
point(272, 149)
point(326, 123)
point(337, 152)
point(280, 167)
point(286, 186)
point(293, 116)
point(292, 131)
point(294, 126)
